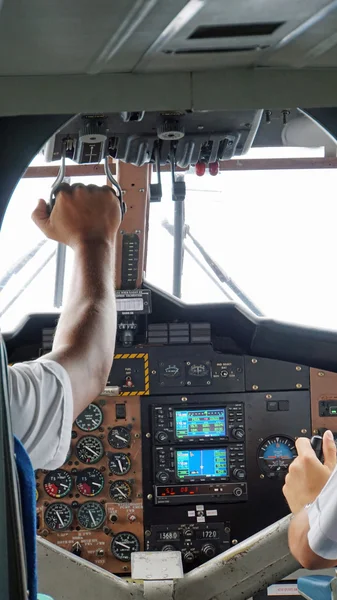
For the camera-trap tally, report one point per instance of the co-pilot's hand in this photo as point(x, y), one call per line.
point(307, 476)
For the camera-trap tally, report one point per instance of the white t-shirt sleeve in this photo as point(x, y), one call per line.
point(41, 404)
point(322, 536)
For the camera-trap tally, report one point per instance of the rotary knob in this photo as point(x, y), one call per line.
point(170, 130)
point(238, 433)
point(239, 474)
point(237, 492)
point(168, 548)
point(161, 436)
point(208, 551)
point(162, 476)
point(188, 556)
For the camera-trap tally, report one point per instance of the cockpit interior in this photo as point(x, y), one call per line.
point(215, 123)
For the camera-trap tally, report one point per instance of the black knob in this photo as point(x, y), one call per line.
point(224, 373)
point(317, 445)
point(238, 433)
point(239, 474)
point(208, 550)
point(188, 556)
point(168, 548)
point(188, 532)
point(237, 492)
point(162, 476)
point(161, 436)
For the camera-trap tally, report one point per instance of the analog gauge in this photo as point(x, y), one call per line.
point(90, 419)
point(275, 455)
point(58, 516)
point(201, 370)
point(171, 371)
point(91, 515)
point(119, 437)
point(123, 544)
point(120, 491)
point(89, 449)
point(119, 464)
point(90, 482)
point(58, 483)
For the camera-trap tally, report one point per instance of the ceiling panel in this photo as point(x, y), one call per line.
point(315, 44)
point(198, 44)
point(58, 36)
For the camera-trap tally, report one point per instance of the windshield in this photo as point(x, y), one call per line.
point(271, 232)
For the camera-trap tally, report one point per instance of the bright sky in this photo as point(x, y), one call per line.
point(273, 232)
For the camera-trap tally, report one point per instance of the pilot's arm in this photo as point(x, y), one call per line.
point(311, 491)
point(48, 394)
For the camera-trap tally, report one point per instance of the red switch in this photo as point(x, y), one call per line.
point(200, 169)
point(213, 168)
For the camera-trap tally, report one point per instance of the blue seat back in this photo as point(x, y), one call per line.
point(316, 587)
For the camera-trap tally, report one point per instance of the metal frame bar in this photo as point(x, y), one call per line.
point(247, 164)
point(239, 573)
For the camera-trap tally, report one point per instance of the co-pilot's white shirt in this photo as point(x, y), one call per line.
point(322, 514)
point(42, 411)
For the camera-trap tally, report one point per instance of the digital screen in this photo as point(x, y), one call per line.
point(177, 490)
point(202, 423)
point(207, 534)
point(201, 463)
point(168, 536)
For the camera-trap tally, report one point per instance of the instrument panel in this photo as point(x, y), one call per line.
point(184, 458)
point(192, 453)
point(93, 505)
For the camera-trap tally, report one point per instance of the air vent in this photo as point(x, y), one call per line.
point(216, 50)
point(229, 31)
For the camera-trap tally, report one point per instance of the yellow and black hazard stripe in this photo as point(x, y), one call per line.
point(145, 357)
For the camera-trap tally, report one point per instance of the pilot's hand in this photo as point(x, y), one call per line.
point(307, 476)
point(81, 214)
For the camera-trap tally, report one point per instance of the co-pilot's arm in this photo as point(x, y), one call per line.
point(313, 531)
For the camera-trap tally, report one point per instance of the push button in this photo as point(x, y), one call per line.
point(272, 405)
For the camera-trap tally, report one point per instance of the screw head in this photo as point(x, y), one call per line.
point(234, 542)
point(298, 368)
point(147, 533)
point(184, 399)
point(154, 372)
point(303, 431)
point(148, 435)
point(149, 496)
point(254, 361)
point(255, 387)
point(320, 373)
point(269, 396)
point(261, 476)
point(299, 386)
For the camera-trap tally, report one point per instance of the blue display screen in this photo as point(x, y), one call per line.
point(201, 463)
point(202, 423)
